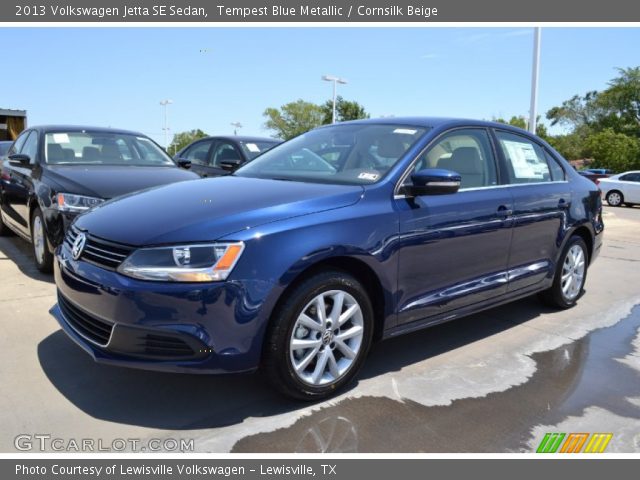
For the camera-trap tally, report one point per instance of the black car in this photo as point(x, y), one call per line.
point(53, 173)
point(215, 156)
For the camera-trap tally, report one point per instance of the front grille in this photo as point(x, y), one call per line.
point(100, 252)
point(87, 326)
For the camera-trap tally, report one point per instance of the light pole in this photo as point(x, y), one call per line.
point(236, 126)
point(335, 80)
point(165, 103)
point(535, 72)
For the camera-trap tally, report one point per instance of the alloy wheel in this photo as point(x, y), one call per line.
point(38, 239)
point(326, 338)
point(573, 270)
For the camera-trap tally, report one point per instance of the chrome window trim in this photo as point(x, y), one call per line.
point(400, 196)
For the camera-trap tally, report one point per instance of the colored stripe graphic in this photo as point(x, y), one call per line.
point(550, 443)
point(574, 443)
point(598, 442)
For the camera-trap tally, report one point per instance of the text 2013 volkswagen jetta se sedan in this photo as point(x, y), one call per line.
point(346, 234)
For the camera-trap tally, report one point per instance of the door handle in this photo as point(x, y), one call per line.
point(563, 204)
point(504, 211)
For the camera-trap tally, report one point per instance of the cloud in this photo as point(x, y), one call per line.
point(430, 55)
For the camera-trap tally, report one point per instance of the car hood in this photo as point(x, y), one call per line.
point(110, 181)
point(209, 209)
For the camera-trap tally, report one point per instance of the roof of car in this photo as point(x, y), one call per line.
point(433, 122)
point(80, 128)
point(243, 138)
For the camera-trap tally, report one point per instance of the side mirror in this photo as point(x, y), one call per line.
point(183, 163)
point(433, 181)
point(19, 160)
point(231, 164)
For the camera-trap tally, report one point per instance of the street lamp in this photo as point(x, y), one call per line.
point(236, 126)
point(535, 73)
point(335, 80)
point(165, 104)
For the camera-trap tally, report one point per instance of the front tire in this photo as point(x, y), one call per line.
point(570, 276)
point(319, 336)
point(42, 255)
point(615, 198)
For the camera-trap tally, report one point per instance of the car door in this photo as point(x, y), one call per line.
point(631, 187)
point(542, 201)
point(20, 184)
point(224, 150)
point(454, 247)
point(199, 154)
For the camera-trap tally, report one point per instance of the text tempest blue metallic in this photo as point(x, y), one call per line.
point(346, 234)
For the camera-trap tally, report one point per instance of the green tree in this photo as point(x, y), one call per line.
point(570, 146)
point(182, 139)
point(293, 118)
point(613, 150)
point(578, 112)
point(345, 110)
point(622, 101)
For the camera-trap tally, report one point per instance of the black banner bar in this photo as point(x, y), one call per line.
point(227, 11)
point(319, 469)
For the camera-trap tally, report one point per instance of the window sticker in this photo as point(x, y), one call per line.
point(524, 160)
point(368, 176)
point(252, 147)
point(405, 131)
point(60, 138)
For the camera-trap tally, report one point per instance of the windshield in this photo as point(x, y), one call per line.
point(352, 154)
point(4, 147)
point(103, 148)
point(253, 149)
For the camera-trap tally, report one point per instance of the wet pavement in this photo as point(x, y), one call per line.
point(567, 380)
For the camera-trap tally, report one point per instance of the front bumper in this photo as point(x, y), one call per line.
point(198, 328)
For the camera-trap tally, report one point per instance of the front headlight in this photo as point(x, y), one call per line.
point(184, 263)
point(68, 202)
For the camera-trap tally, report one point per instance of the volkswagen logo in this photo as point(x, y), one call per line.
point(327, 337)
point(78, 246)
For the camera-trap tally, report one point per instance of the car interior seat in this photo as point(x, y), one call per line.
point(91, 154)
point(110, 152)
point(467, 162)
point(55, 153)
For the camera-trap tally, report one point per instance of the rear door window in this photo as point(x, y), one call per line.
point(526, 161)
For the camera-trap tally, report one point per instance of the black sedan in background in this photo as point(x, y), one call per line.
point(4, 147)
point(215, 156)
point(53, 173)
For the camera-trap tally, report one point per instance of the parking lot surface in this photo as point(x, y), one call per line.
point(493, 382)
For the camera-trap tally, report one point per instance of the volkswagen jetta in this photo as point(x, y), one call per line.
point(345, 235)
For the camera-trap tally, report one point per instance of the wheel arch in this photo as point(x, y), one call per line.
point(351, 265)
point(585, 233)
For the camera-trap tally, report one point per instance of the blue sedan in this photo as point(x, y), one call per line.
point(343, 236)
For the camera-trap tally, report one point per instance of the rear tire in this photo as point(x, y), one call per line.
point(319, 336)
point(615, 198)
point(42, 256)
point(570, 276)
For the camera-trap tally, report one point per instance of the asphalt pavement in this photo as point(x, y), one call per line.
point(493, 382)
